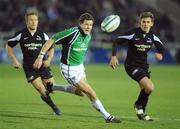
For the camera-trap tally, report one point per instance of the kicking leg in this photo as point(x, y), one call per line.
point(66, 88)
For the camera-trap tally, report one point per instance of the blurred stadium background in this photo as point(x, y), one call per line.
point(55, 15)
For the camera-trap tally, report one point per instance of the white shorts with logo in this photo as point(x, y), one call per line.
point(73, 74)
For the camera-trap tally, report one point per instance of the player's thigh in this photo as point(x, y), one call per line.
point(73, 74)
point(38, 84)
point(46, 75)
point(31, 74)
point(147, 84)
point(137, 73)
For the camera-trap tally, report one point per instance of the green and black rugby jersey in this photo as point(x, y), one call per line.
point(74, 45)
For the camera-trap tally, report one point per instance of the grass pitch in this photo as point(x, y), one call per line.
point(22, 108)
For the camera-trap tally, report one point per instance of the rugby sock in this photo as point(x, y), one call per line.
point(65, 88)
point(144, 103)
point(48, 100)
point(142, 99)
point(99, 107)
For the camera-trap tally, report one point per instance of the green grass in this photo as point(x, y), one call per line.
point(21, 107)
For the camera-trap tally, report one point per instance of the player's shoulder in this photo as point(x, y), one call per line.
point(137, 30)
point(154, 33)
point(132, 30)
point(69, 31)
point(20, 31)
point(40, 31)
point(74, 28)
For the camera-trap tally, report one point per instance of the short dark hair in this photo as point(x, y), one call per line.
point(147, 14)
point(31, 11)
point(85, 16)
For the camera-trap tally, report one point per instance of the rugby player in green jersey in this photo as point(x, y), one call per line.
point(75, 42)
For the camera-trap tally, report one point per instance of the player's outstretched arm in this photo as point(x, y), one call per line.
point(46, 63)
point(113, 62)
point(38, 62)
point(16, 64)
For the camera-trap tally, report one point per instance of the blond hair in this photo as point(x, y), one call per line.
point(31, 11)
point(147, 14)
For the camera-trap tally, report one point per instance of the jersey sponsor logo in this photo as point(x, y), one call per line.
point(32, 46)
point(83, 45)
point(142, 47)
point(80, 49)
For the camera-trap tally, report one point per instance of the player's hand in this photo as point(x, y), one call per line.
point(38, 63)
point(17, 65)
point(46, 63)
point(114, 62)
point(158, 56)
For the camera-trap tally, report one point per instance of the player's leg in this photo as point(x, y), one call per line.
point(76, 76)
point(39, 86)
point(146, 87)
point(48, 100)
point(46, 76)
point(96, 103)
point(68, 88)
point(142, 77)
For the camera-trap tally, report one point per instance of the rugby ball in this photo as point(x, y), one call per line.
point(110, 23)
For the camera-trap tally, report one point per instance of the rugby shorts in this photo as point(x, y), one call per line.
point(137, 73)
point(73, 74)
point(32, 74)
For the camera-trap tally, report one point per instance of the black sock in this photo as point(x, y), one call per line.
point(142, 99)
point(49, 101)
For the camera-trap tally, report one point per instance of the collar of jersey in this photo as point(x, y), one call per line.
point(81, 31)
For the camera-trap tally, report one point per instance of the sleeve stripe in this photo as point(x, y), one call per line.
point(66, 35)
point(129, 37)
point(157, 39)
point(17, 38)
point(74, 37)
point(46, 37)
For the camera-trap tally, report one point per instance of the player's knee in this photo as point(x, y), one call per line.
point(149, 89)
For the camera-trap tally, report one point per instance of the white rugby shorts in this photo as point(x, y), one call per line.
point(73, 74)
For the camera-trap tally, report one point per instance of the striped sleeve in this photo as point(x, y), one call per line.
point(158, 44)
point(120, 40)
point(65, 36)
point(46, 37)
point(14, 40)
